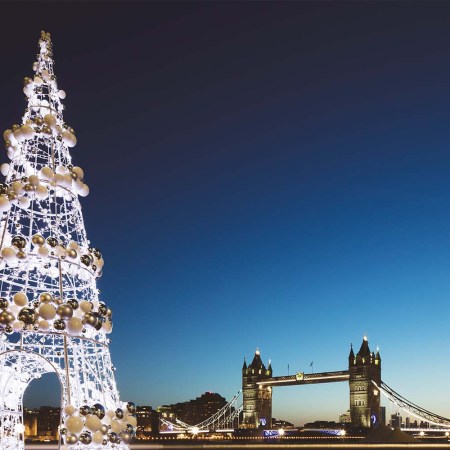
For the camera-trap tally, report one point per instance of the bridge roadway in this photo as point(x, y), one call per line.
point(306, 378)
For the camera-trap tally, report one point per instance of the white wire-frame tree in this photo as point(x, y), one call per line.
point(51, 317)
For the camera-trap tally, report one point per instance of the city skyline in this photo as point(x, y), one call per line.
point(269, 175)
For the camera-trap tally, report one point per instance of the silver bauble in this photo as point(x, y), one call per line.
point(85, 438)
point(98, 410)
point(3, 303)
point(73, 303)
point(131, 407)
point(113, 437)
point(27, 316)
point(19, 242)
point(85, 410)
point(52, 242)
point(59, 325)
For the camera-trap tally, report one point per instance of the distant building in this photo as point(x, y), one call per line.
point(30, 420)
point(49, 419)
point(281, 423)
point(383, 415)
point(322, 424)
point(42, 424)
point(147, 421)
point(194, 411)
point(396, 420)
point(345, 417)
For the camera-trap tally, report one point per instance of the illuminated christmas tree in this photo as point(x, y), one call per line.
point(51, 317)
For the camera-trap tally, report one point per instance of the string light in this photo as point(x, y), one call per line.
point(51, 316)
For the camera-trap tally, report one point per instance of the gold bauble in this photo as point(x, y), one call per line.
point(45, 297)
point(71, 253)
point(28, 188)
point(21, 254)
point(6, 317)
point(89, 319)
point(71, 439)
point(64, 311)
point(37, 239)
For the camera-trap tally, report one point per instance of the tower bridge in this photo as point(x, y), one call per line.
point(365, 388)
point(363, 376)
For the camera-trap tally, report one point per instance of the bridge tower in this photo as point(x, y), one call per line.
point(257, 408)
point(364, 368)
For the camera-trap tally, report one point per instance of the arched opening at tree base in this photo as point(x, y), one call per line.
point(17, 370)
point(42, 409)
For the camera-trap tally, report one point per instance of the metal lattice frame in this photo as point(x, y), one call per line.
point(51, 318)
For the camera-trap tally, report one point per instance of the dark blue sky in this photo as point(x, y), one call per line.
point(262, 174)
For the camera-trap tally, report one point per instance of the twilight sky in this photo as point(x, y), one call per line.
point(262, 174)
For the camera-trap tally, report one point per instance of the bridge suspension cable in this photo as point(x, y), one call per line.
point(412, 408)
point(172, 427)
point(223, 418)
point(220, 417)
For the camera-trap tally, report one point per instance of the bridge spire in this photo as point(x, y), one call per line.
point(377, 356)
point(351, 356)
